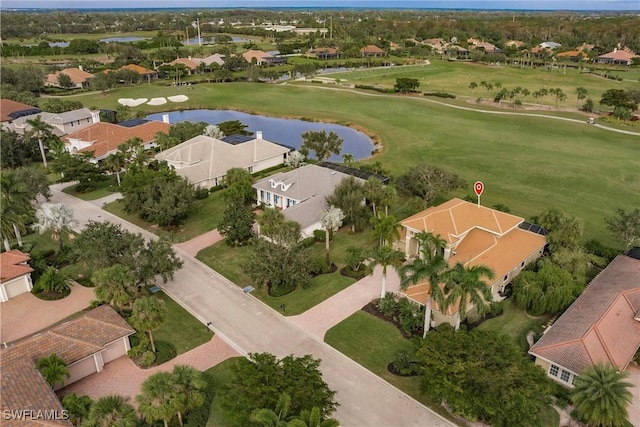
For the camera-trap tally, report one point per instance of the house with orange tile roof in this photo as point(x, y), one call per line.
point(618, 57)
point(15, 274)
point(190, 65)
point(79, 78)
point(11, 110)
point(145, 73)
point(323, 53)
point(474, 235)
point(86, 344)
point(572, 55)
point(262, 58)
point(602, 325)
point(103, 138)
point(371, 50)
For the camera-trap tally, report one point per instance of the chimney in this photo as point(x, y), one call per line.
point(165, 119)
point(95, 117)
point(255, 150)
point(615, 49)
point(259, 134)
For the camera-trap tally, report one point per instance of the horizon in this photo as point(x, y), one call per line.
point(525, 5)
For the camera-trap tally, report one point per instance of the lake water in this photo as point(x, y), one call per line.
point(123, 39)
point(210, 40)
point(283, 131)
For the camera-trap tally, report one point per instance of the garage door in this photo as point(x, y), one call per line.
point(81, 369)
point(16, 288)
point(113, 351)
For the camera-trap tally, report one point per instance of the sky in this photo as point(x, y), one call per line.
point(633, 5)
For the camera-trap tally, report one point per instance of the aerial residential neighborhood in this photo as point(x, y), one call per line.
point(235, 215)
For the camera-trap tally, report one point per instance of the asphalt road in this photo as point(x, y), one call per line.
point(252, 327)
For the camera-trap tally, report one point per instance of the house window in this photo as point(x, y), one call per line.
point(573, 380)
point(261, 195)
point(505, 278)
point(276, 199)
point(522, 264)
point(564, 376)
point(553, 370)
point(250, 169)
point(268, 197)
point(293, 202)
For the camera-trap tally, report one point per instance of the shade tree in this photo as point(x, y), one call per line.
point(349, 197)
point(323, 144)
point(56, 218)
point(626, 227)
point(428, 182)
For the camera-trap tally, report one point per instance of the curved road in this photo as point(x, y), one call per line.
point(250, 326)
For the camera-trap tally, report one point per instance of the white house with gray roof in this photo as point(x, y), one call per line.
point(204, 161)
point(300, 194)
point(62, 123)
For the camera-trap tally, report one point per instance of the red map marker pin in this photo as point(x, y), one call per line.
point(478, 188)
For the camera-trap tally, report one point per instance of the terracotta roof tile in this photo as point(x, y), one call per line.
point(77, 75)
point(13, 265)
point(619, 54)
point(192, 65)
point(371, 49)
point(8, 106)
point(106, 137)
point(599, 325)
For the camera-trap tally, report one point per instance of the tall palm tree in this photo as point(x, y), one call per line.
point(331, 220)
point(463, 284)
point(41, 131)
point(156, 401)
point(114, 285)
point(384, 256)
point(148, 315)
point(78, 407)
point(55, 217)
point(53, 368)
point(372, 191)
point(601, 396)
point(111, 411)
point(189, 389)
point(273, 418)
point(426, 270)
point(312, 418)
point(115, 162)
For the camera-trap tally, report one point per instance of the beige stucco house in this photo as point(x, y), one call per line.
point(62, 123)
point(204, 160)
point(15, 274)
point(602, 325)
point(474, 235)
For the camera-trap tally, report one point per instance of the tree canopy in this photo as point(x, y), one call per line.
point(349, 196)
point(321, 143)
point(428, 182)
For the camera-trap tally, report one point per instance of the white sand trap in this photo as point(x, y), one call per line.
point(129, 102)
point(157, 101)
point(178, 98)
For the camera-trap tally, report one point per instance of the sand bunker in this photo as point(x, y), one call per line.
point(157, 101)
point(129, 102)
point(178, 98)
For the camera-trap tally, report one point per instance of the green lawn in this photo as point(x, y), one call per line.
point(205, 216)
point(229, 262)
point(180, 328)
point(515, 323)
point(221, 374)
point(373, 343)
point(104, 188)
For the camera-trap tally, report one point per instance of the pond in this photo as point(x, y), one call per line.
point(283, 131)
point(211, 40)
point(123, 39)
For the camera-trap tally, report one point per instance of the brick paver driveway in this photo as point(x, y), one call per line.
point(26, 314)
point(123, 377)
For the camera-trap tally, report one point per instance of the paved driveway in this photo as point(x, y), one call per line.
point(26, 314)
point(250, 326)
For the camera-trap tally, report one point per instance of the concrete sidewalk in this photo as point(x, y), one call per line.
point(195, 245)
point(318, 320)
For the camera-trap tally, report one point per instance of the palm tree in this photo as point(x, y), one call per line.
point(426, 270)
point(372, 191)
point(388, 196)
point(189, 389)
point(115, 162)
point(312, 418)
point(112, 411)
point(148, 315)
point(273, 418)
point(40, 130)
point(384, 256)
point(53, 368)
point(77, 406)
point(156, 401)
point(601, 396)
point(16, 210)
point(385, 229)
point(53, 280)
point(114, 285)
point(463, 284)
point(55, 217)
point(331, 220)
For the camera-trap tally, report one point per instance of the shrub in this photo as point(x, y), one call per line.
point(281, 290)
point(376, 88)
point(496, 309)
point(402, 363)
point(165, 351)
point(319, 235)
point(201, 193)
point(216, 188)
point(147, 359)
point(308, 242)
point(442, 95)
point(587, 106)
point(139, 345)
point(388, 304)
